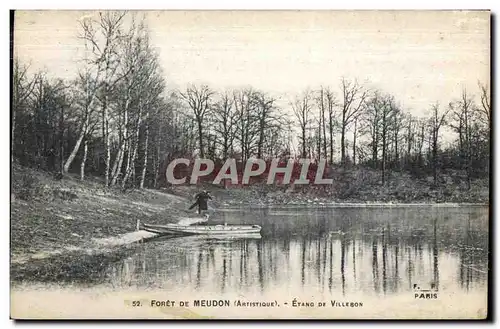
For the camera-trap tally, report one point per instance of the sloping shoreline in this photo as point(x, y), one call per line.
point(96, 246)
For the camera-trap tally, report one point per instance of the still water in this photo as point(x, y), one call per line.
point(323, 252)
point(381, 259)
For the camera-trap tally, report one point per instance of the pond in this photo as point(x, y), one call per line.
point(403, 262)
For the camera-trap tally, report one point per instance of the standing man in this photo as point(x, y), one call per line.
point(202, 203)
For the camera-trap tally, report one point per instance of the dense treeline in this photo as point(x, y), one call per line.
point(118, 120)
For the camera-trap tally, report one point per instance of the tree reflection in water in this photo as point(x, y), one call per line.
point(299, 252)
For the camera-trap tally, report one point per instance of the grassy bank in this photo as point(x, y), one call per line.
point(52, 216)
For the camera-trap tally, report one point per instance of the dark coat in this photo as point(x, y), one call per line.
point(201, 201)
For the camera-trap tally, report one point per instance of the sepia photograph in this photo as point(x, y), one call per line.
point(250, 164)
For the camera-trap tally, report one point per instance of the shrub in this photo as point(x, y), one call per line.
point(26, 187)
point(64, 194)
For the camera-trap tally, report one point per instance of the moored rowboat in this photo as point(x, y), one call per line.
point(202, 229)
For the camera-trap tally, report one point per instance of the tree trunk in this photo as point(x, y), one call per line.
point(434, 157)
point(115, 163)
point(61, 140)
point(468, 151)
point(119, 163)
point(262, 127)
point(354, 142)
point(121, 152)
point(396, 150)
point(82, 165)
point(145, 163)
point(342, 145)
point(384, 152)
point(75, 149)
point(131, 155)
point(12, 135)
point(83, 133)
point(121, 140)
point(107, 142)
point(259, 144)
point(225, 148)
point(126, 174)
point(324, 136)
point(157, 167)
point(330, 128)
point(421, 144)
point(409, 140)
point(318, 142)
point(375, 147)
point(200, 137)
point(304, 142)
point(131, 159)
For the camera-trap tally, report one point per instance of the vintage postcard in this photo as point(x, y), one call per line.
point(182, 164)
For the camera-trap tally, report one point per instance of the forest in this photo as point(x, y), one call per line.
point(118, 120)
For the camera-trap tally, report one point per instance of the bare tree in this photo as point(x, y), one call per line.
point(371, 125)
point(463, 113)
point(302, 108)
point(437, 120)
point(102, 38)
point(325, 107)
point(198, 99)
point(397, 128)
point(388, 109)
point(409, 136)
point(87, 86)
point(134, 55)
point(247, 128)
point(354, 139)
point(485, 111)
point(331, 102)
point(148, 89)
point(485, 108)
point(353, 99)
point(22, 88)
point(266, 117)
point(420, 140)
point(225, 117)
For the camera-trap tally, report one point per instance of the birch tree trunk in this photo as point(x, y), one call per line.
point(330, 130)
point(324, 135)
point(61, 141)
point(355, 133)
point(118, 163)
point(131, 159)
point(12, 135)
point(145, 164)
point(82, 165)
point(127, 166)
point(75, 150)
point(121, 152)
point(157, 168)
point(84, 131)
point(106, 138)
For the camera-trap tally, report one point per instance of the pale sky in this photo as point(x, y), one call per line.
point(420, 57)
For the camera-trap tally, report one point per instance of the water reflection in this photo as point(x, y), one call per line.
point(339, 251)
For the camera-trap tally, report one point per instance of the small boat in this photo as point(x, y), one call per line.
point(219, 229)
point(203, 239)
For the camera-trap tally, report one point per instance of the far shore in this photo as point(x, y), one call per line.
point(351, 205)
